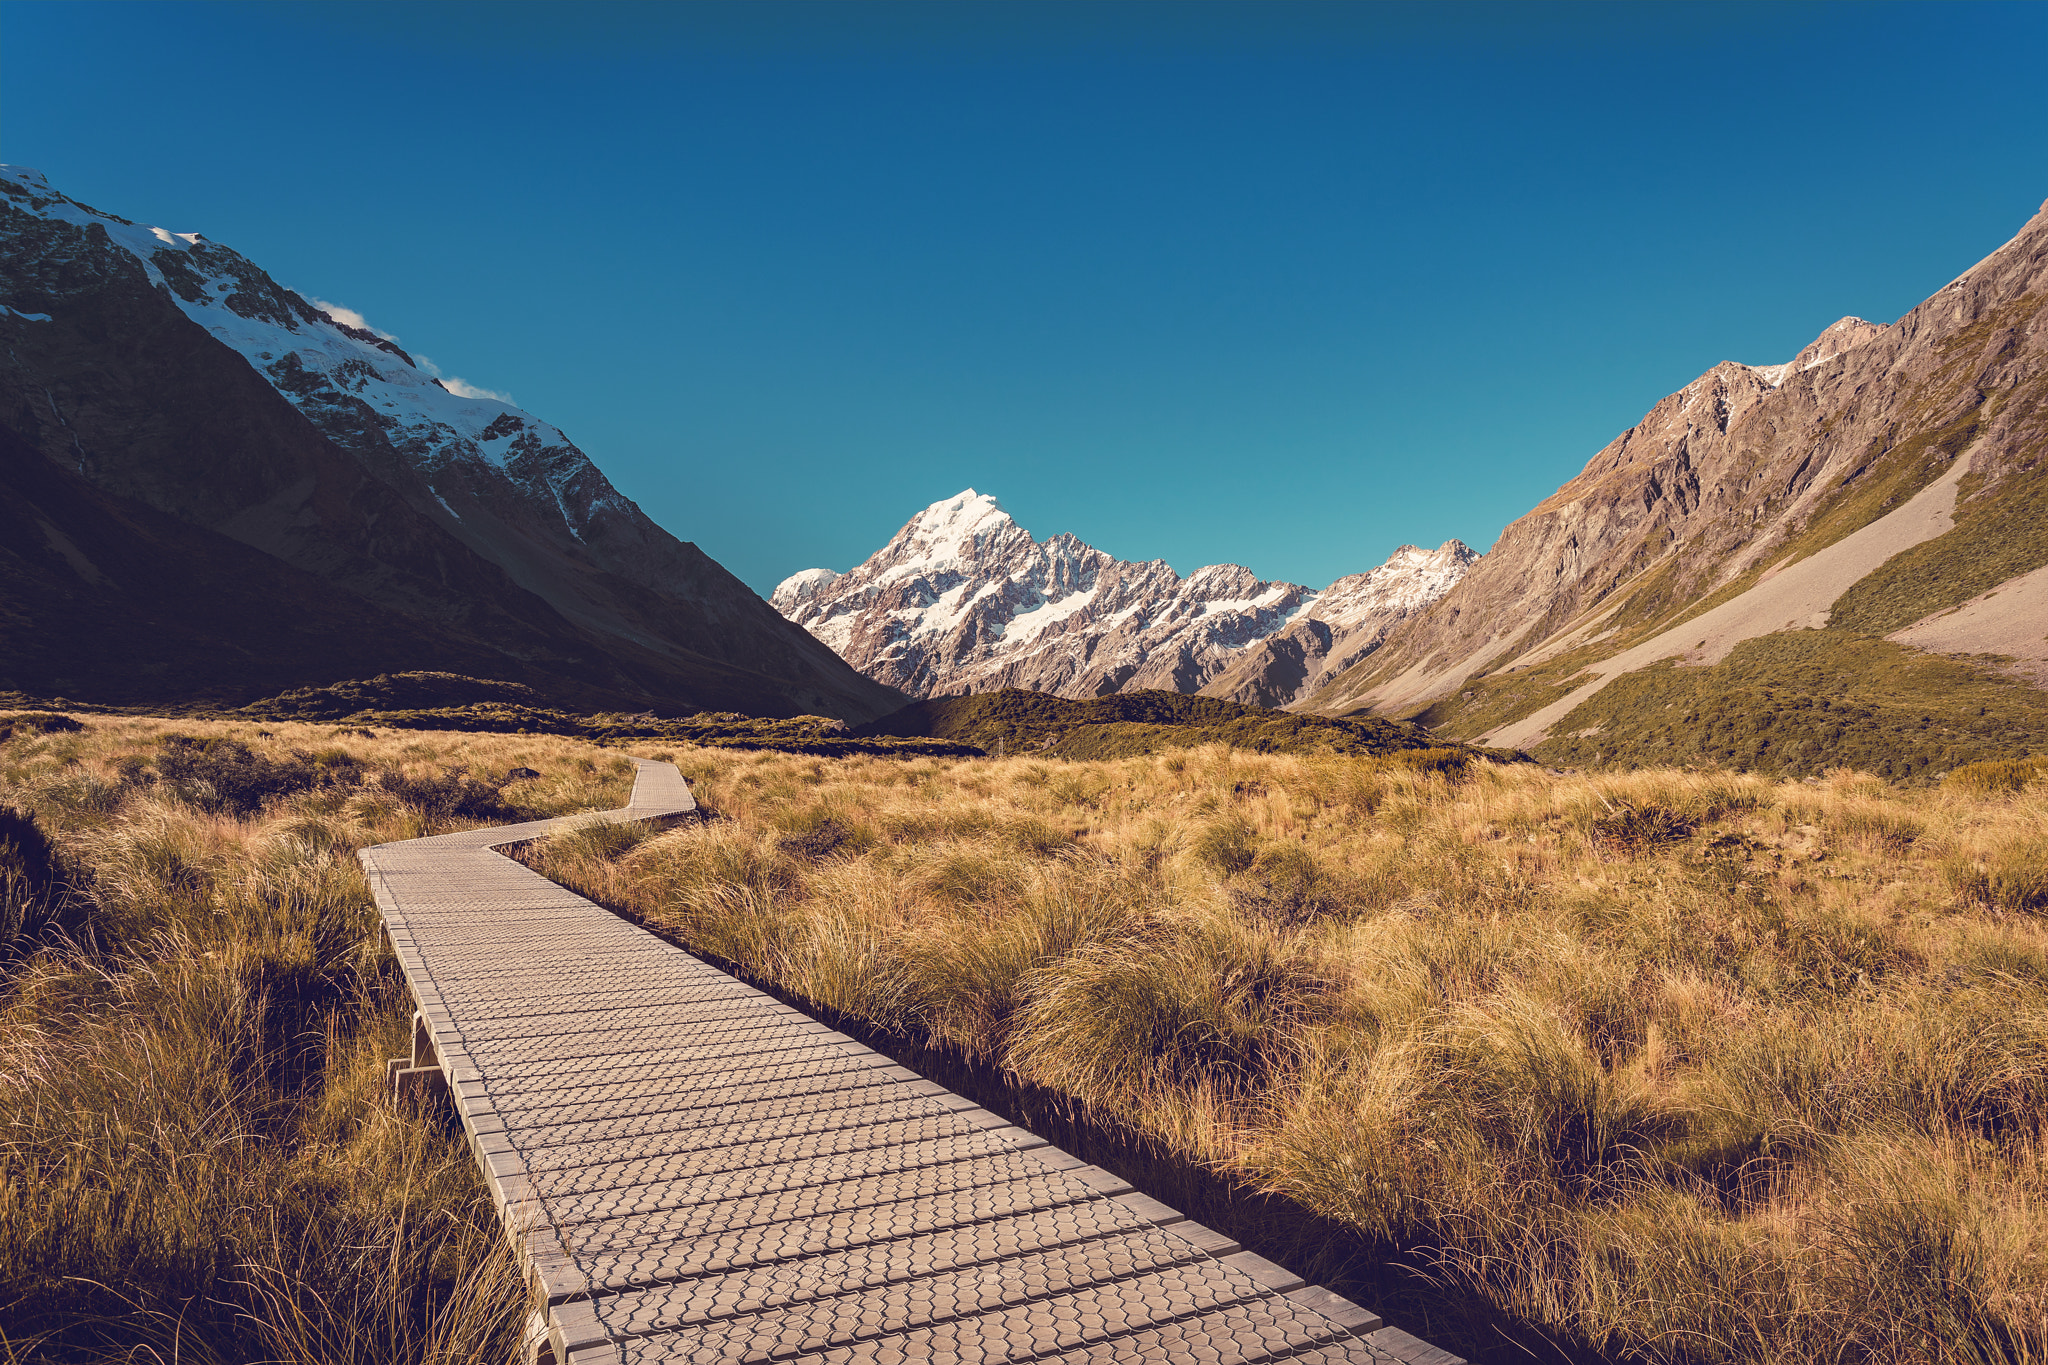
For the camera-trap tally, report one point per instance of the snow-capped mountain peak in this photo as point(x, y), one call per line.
point(333, 371)
point(963, 599)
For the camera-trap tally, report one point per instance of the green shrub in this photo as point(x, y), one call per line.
point(1803, 702)
point(1997, 776)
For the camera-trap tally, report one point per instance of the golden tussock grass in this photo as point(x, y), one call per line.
point(1674, 1066)
point(197, 1161)
point(1669, 1066)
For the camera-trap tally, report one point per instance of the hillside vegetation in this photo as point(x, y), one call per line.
point(1801, 702)
point(1132, 724)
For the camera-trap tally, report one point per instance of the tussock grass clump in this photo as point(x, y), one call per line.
point(1667, 1065)
point(2008, 872)
point(196, 1158)
point(1632, 829)
point(1187, 1013)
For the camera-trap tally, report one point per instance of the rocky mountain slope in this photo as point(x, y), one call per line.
point(363, 516)
point(963, 599)
point(1882, 481)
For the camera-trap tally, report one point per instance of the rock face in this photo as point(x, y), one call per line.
point(1726, 485)
point(963, 599)
point(163, 376)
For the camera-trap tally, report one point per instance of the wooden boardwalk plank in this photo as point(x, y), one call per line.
point(694, 1171)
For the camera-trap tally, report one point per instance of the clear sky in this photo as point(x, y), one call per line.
point(1280, 284)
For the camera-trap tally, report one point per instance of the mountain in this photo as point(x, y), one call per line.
point(1343, 623)
point(211, 487)
point(963, 599)
point(1777, 561)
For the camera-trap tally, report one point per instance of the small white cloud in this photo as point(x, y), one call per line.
point(349, 317)
point(462, 388)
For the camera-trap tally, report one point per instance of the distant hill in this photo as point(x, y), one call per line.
point(212, 489)
point(1839, 559)
point(963, 599)
point(1013, 721)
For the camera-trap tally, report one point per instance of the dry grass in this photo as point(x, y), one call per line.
point(1673, 1066)
point(196, 1160)
point(1676, 1066)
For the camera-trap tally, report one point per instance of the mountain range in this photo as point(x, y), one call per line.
point(963, 599)
point(1843, 557)
point(213, 488)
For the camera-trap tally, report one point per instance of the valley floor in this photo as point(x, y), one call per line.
point(1671, 1065)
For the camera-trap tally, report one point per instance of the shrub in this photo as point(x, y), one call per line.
point(225, 775)
point(452, 796)
point(36, 723)
point(1997, 776)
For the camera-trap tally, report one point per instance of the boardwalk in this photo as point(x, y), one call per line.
point(695, 1172)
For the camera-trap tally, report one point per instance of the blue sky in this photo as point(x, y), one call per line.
point(1279, 284)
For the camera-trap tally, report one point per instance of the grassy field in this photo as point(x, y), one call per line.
point(196, 1162)
point(1673, 1066)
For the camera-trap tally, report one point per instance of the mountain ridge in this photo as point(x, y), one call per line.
point(171, 373)
point(1882, 465)
point(963, 599)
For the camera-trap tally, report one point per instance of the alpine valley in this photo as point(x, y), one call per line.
point(1837, 560)
point(212, 489)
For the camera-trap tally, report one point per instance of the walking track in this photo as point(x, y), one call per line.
point(693, 1171)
